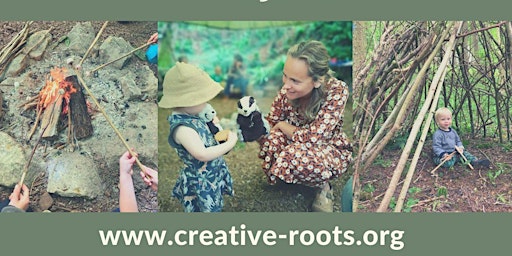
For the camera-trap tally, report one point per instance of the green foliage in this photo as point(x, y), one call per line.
point(392, 203)
point(369, 188)
point(442, 191)
point(414, 190)
point(485, 145)
point(409, 204)
point(507, 147)
point(411, 200)
point(263, 49)
point(398, 142)
point(501, 198)
point(380, 161)
point(493, 175)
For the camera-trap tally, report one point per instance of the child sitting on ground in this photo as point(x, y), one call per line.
point(446, 141)
point(205, 177)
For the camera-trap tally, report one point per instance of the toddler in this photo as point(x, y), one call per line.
point(446, 140)
point(205, 177)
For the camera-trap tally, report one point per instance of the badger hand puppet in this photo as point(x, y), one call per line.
point(251, 124)
point(208, 115)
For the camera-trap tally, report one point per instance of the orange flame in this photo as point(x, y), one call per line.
point(56, 86)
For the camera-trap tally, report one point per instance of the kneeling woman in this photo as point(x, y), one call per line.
point(306, 144)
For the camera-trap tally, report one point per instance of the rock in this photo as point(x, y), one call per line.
point(81, 37)
point(1, 103)
point(129, 88)
point(37, 44)
point(17, 66)
point(149, 81)
point(45, 201)
point(69, 61)
point(74, 175)
point(12, 160)
point(113, 48)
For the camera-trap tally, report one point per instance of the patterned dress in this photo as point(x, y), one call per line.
point(318, 151)
point(200, 185)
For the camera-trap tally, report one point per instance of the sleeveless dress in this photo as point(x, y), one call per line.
point(200, 185)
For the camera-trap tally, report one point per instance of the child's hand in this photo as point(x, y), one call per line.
point(126, 162)
point(232, 138)
point(153, 39)
point(446, 157)
point(150, 177)
point(20, 197)
point(459, 149)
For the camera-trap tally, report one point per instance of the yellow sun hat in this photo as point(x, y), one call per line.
point(186, 85)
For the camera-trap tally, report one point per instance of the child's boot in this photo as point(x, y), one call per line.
point(483, 163)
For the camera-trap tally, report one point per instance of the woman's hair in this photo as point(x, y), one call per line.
point(317, 59)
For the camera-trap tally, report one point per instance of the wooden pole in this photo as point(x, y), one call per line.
point(112, 61)
point(448, 157)
point(93, 43)
point(463, 157)
point(79, 76)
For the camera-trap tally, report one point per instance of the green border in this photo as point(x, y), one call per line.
point(426, 234)
point(166, 10)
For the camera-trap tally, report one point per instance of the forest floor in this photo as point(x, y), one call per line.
point(136, 33)
point(456, 189)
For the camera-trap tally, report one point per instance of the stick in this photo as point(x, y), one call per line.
point(442, 162)
point(38, 117)
point(108, 63)
point(463, 157)
point(25, 170)
point(93, 43)
point(79, 76)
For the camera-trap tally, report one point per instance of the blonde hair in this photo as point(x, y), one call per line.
point(317, 59)
point(442, 112)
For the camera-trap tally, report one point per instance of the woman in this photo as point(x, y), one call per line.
point(306, 144)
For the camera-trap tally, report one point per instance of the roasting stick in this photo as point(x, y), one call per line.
point(25, 170)
point(463, 157)
point(442, 162)
point(110, 122)
point(93, 43)
point(110, 62)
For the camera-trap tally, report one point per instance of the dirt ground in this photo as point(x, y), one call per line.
point(137, 33)
point(457, 189)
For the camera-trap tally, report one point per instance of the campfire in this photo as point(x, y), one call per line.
point(60, 104)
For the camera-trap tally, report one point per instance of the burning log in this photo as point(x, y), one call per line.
point(51, 99)
point(51, 114)
point(80, 122)
point(61, 96)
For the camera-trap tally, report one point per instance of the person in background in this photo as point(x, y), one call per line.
point(217, 76)
point(183, 59)
point(152, 51)
point(236, 77)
